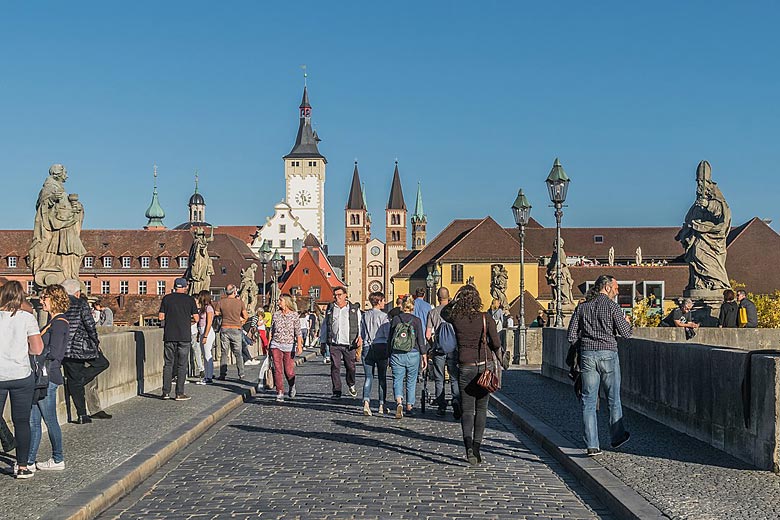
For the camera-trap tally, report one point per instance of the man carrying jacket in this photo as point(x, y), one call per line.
point(83, 360)
point(340, 332)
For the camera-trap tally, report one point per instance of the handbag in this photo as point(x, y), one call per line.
point(487, 379)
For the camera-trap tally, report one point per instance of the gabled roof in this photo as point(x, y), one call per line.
point(311, 241)
point(396, 200)
point(488, 242)
point(356, 201)
point(436, 247)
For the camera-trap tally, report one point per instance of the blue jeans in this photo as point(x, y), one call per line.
point(405, 364)
point(375, 356)
point(439, 360)
point(601, 367)
point(46, 408)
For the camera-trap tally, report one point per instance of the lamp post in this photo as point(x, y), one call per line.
point(265, 257)
point(557, 186)
point(521, 210)
point(277, 266)
point(312, 295)
point(429, 284)
point(436, 280)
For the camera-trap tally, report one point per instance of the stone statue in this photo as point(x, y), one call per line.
point(703, 235)
point(498, 283)
point(566, 279)
point(200, 267)
point(56, 249)
point(611, 255)
point(638, 257)
point(247, 291)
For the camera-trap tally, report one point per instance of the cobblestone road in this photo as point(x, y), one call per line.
point(311, 458)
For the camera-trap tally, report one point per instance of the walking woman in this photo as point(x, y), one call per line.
point(286, 342)
point(476, 333)
point(375, 330)
point(55, 339)
point(19, 337)
point(206, 336)
point(408, 347)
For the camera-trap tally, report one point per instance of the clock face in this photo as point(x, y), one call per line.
point(303, 198)
point(375, 251)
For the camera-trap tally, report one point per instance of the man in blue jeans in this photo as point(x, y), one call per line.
point(596, 323)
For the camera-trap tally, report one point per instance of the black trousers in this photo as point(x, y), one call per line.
point(21, 392)
point(339, 353)
point(474, 402)
point(176, 354)
point(80, 372)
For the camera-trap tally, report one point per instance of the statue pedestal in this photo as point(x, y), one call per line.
point(566, 312)
point(706, 305)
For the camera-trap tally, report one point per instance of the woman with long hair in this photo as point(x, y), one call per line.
point(286, 342)
point(55, 339)
point(408, 347)
point(19, 337)
point(206, 336)
point(476, 334)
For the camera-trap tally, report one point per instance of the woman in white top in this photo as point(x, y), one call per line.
point(19, 337)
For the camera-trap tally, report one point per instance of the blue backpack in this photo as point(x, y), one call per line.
point(445, 338)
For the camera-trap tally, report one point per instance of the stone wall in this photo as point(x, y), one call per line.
point(745, 339)
point(533, 345)
point(695, 389)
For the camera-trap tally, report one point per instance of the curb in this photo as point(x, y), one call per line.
point(112, 487)
point(623, 501)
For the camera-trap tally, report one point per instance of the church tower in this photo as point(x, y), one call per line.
point(304, 174)
point(355, 238)
point(197, 205)
point(419, 221)
point(395, 231)
point(155, 213)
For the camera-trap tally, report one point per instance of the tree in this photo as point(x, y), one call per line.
point(644, 315)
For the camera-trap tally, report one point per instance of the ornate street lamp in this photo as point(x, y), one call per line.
point(265, 257)
point(558, 186)
point(521, 210)
point(429, 284)
point(436, 277)
point(277, 265)
point(312, 295)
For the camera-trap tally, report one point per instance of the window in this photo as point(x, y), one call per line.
point(89, 262)
point(105, 287)
point(160, 286)
point(283, 243)
point(355, 235)
point(375, 270)
point(456, 273)
point(295, 163)
point(145, 261)
point(125, 262)
point(183, 262)
point(305, 270)
point(141, 286)
point(165, 262)
point(654, 291)
point(395, 236)
point(316, 292)
point(395, 219)
point(598, 239)
point(30, 286)
point(12, 261)
point(124, 287)
point(108, 262)
point(282, 228)
point(88, 286)
point(295, 291)
point(312, 163)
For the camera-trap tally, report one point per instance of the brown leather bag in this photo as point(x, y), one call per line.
point(488, 379)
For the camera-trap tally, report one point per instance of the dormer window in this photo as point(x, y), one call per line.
point(165, 262)
point(126, 262)
point(598, 239)
point(145, 262)
point(89, 262)
point(108, 262)
point(183, 262)
point(12, 261)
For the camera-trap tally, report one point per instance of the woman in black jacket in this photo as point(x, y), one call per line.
point(729, 310)
point(476, 334)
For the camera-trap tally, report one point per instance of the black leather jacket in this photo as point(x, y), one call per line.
point(82, 338)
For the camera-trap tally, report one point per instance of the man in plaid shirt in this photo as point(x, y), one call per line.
point(596, 323)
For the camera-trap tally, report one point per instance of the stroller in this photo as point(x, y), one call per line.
point(425, 396)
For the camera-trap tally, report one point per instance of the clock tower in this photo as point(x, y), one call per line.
point(304, 174)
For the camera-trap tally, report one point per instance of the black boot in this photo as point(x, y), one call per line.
point(470, 450)
point(476, 447)
point(83, 419)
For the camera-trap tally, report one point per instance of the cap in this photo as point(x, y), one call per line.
point(179, 283)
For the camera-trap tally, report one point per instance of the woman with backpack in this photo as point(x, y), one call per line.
point(476, 334)
point(408, 347)
point(55, 339)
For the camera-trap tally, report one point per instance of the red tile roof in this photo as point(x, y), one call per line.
point(439, 245)
point(244, 233)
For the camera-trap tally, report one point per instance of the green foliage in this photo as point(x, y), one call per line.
point(645, 315)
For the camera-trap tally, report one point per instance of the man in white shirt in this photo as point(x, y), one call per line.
point(340, 332)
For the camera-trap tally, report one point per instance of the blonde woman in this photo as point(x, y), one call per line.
point(286, 343)
point(408, 347)
point(206, 336)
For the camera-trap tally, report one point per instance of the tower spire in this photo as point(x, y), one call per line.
point(305, 146)
point(154, 212)
point(396, 200)
point(419, 213)
point(356, 200)
point(196, 179)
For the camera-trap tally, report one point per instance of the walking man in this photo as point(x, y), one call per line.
point(178, 311)
point(439, 359)
point(234, 314)
point(750, 316)
point(340, 333)
point(595, 325)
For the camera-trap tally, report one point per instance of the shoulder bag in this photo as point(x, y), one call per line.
point(487, 379)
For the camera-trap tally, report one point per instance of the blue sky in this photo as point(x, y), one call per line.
point(475, 99)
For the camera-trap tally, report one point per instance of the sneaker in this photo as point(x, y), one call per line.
point(165, 397)
point(208, 381)
point(50, 465)
point(202, 374)
point(326, 361)
point(30, 467)
point(410, 412)
point(221, 378)
point(616, 445)
point(366, 409)
point(252, 362)
point(594, 452)
point(293, 392)
point(24, 473)
point(399, 411)
point(182, 397)
point(353, 391)
point(381, 410)
point(200, 382)
point(280, 397)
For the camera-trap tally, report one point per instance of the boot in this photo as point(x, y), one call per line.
point(467, 442)
point(476, 447)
